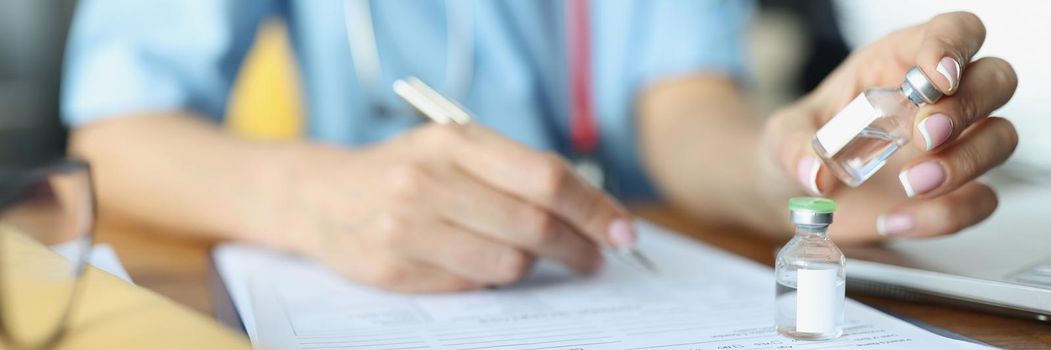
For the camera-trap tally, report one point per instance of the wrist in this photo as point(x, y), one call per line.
point(271, 208)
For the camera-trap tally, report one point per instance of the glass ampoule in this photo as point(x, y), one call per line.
point(810, 274)
point(856, 142)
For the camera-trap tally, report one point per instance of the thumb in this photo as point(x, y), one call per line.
point(792, 133)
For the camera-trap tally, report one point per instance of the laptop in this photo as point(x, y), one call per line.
point(1002, 264)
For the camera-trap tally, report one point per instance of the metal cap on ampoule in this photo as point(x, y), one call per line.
point(919, 88)
point(811, 210)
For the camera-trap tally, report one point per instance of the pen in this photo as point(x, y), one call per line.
point(442, 110)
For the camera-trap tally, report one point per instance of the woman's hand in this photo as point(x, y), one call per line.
point(928, 188)
point(445, 208)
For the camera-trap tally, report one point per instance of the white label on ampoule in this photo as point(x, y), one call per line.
point(816, 300)
point(847, 124)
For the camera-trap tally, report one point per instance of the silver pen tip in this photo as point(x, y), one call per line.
point(640, 258)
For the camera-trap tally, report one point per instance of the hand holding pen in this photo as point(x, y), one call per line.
point(619, 234)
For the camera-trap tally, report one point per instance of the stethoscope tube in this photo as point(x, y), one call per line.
point(365, 56)
point(459, 65)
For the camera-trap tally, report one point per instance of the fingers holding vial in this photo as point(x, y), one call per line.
point(988, 84)
point(983, 146)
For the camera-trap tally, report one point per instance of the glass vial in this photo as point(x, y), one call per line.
point(810, 274)
point(856, 142)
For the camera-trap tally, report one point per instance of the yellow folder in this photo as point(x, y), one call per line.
point(110, 313)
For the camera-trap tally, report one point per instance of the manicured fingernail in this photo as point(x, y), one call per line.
point(935, 130)
point(922, 178)
point(894, 224)
point(950, 69)
point(622, 233)
point(806, 172)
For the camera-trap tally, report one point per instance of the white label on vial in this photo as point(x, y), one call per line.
point(847, 124)
point(816, 300)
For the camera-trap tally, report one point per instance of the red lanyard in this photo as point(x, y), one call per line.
point(583, 131)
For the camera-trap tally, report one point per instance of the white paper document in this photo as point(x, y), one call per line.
point(102, 256)
point(703, 298)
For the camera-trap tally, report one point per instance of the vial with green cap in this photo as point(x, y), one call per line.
point(810, 275)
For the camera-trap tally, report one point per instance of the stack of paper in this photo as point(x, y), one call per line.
point(703, 298)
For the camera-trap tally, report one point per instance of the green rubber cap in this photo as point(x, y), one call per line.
point(812, 204)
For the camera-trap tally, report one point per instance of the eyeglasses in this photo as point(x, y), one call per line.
point(47, 215)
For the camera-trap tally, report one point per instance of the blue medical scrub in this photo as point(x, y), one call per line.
point(126, 56)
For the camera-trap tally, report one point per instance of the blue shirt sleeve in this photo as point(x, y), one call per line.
point(693, 37)
point(642, 42)
point(126, 56)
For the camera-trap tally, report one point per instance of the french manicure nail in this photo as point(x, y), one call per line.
point(935, 130)
point(922, 178)
point(806, 172)
point(950, 69)
point(894, 224)
point(622, 233)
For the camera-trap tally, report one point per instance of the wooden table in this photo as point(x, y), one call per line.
point(177, 267)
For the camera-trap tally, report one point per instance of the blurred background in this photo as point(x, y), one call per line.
point(32, 38)
point(792, 46)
